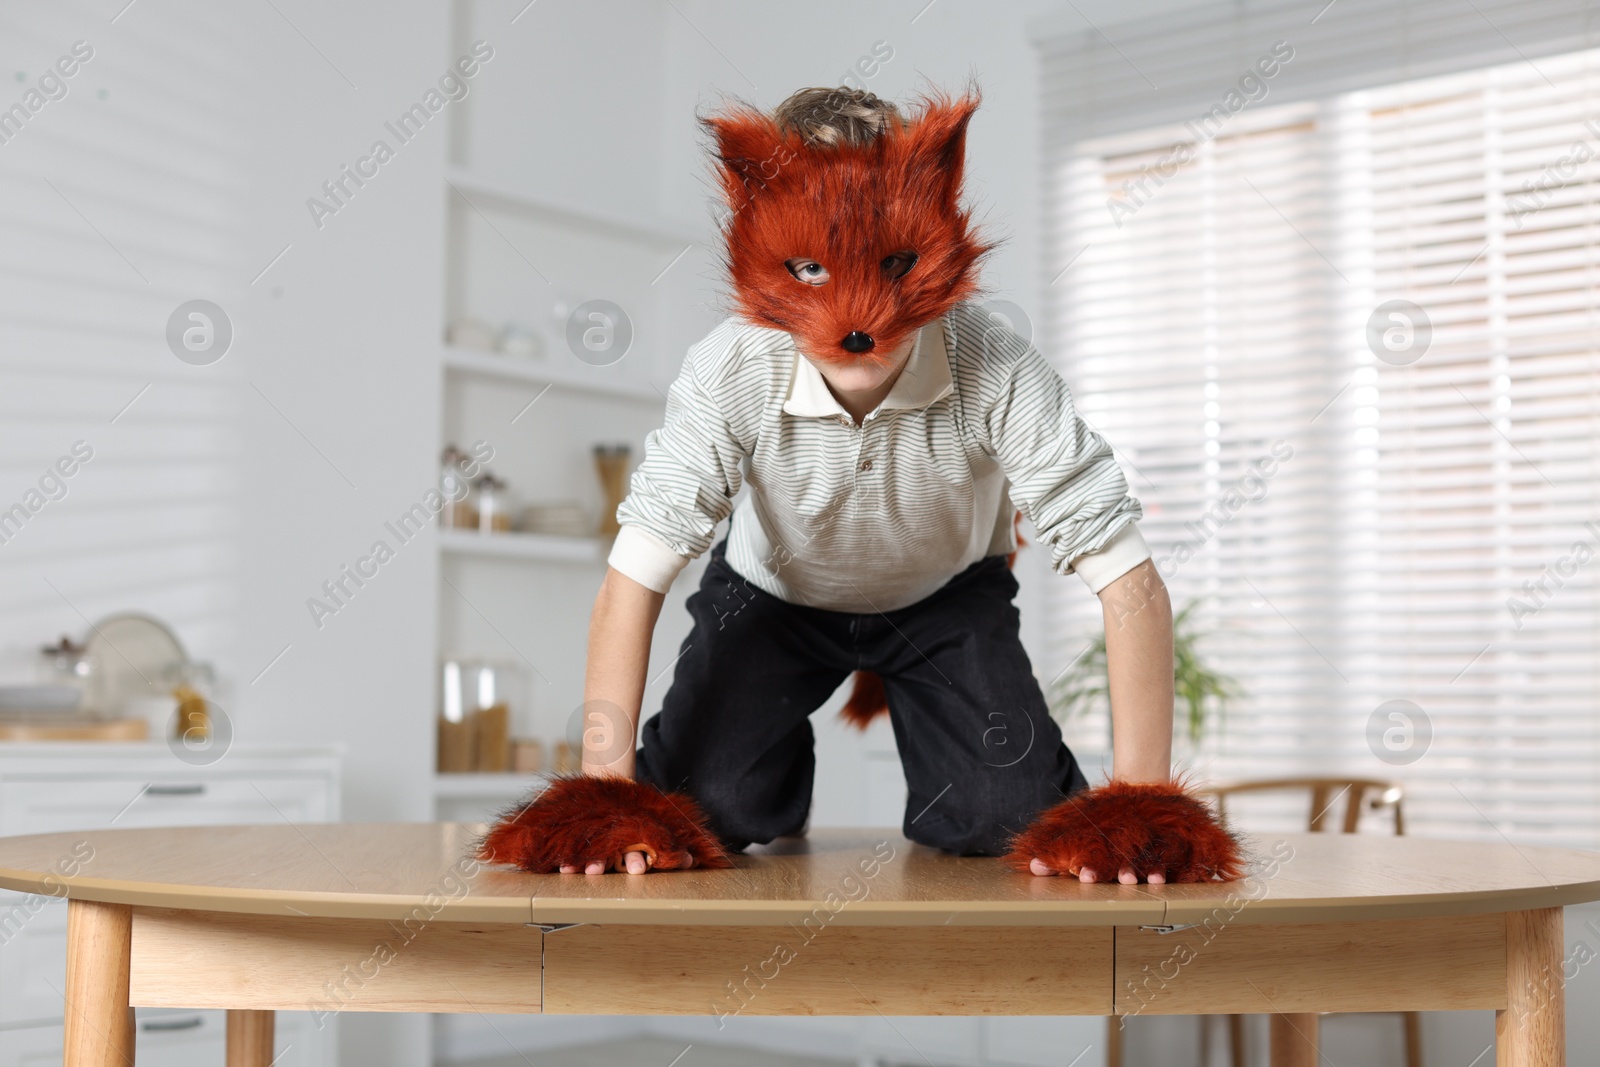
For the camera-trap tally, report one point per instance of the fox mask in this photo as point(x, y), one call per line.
point(849, 248)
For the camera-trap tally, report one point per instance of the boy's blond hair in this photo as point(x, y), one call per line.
point(823, 116)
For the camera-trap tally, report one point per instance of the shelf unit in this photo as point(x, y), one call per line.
point(478, 798)
point(477, 188)
point(485, 786)
point(550, 369)
point(514, 253)
point(527, 546)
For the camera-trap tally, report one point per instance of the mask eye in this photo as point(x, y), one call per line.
point(807, 270)
point(899, 264)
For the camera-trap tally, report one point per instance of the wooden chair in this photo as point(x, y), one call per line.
point(1359, 795)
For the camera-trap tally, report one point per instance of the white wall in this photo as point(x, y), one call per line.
point(226, 494)
point(118, 201)
point(341, 336)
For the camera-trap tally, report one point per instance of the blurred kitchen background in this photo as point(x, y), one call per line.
point(329, 333)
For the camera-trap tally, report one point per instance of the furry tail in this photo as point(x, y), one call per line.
point(867, 699)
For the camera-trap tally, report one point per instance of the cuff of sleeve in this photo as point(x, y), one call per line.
point(1125, 551)
point(646, 558)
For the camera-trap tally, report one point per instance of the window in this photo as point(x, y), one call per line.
point(1347, 351)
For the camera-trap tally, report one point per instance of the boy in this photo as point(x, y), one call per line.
point(886, 430)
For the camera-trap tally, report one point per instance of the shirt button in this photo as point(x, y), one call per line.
point(866, 465)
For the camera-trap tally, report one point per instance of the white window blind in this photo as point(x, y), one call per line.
point(1359, 519)
point(1481, 461)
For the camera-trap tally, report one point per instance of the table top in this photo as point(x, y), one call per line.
point(859, 877)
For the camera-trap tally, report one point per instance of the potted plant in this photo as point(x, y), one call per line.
point(1201, 694)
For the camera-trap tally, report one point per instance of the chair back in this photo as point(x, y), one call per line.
point(1358, 795)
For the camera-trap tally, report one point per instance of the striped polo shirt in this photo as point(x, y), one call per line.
point(876, 516)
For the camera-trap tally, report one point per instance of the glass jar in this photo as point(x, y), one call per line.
point(456, 488)
point(192, 685)
point(611, 465)
point(483, 705)
point(494, 507)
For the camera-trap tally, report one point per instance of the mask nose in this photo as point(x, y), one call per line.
point(857, 342)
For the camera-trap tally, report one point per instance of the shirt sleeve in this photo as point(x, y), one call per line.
point(1063, 475)
point(681, 490)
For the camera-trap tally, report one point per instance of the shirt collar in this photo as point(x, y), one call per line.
point(925, 379)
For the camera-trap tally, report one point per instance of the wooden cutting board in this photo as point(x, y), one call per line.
point(57, 727)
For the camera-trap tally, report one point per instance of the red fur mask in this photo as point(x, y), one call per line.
point(875, 231)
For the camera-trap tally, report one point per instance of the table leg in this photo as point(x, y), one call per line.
point(1413, 1029)
point(1294, 1039)
point(98, 1029)
point(1531, 1031)
point(249, 1038)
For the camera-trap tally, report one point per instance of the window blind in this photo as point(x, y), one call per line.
point(1345, 346)
point(1478, 462)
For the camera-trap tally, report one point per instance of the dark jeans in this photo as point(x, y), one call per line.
point(980, 752)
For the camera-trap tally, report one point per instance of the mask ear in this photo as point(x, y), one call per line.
point(750, 150)
point(938, 143)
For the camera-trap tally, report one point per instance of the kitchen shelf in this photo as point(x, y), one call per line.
point(549, 370)
point(534, 546)
point(478, 189)
point(490, 786)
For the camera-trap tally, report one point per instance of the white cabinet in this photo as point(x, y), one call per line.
point(167, 1038)
point(990, 1041)
point(907, 1039)
point(49, 788)
point(32, 958)
point(1045, 1040)
point(31, 803)
point(475, 798)
point(36, 1046)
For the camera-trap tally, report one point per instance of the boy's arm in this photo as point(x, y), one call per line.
point(624, 619)
point(620, 628)
point(681, 490)
point(1138, 621)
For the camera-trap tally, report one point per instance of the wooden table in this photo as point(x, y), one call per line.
point(396, 917)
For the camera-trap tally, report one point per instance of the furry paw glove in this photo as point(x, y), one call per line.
point(1160, 827)
point(578, 820)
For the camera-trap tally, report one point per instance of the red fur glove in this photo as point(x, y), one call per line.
point(1157, 827)
point(578, 820)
